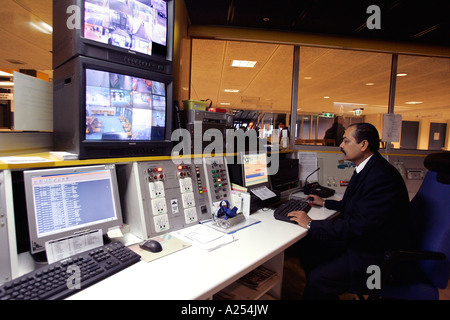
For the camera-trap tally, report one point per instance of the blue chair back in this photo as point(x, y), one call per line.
point(430, 210)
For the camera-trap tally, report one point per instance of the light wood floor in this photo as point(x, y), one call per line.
point(294, 280)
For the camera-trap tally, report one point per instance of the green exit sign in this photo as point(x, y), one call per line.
point(328, 115)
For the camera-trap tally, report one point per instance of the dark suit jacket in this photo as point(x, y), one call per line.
point(374, 213)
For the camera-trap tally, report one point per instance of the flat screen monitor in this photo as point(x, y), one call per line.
point(104, 110)
point(254, 166)
point(63, 202)
point(133, 32)
point(287, 176)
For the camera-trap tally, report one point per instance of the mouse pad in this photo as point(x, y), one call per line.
point(169, 243)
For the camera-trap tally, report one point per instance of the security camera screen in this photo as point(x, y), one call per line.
point(138, 25)
point(122, 107)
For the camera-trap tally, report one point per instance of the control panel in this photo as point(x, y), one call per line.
point(217, 181)
point(161, 196)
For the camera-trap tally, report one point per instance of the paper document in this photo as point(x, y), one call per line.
point(14, 159)
point(203, 237)
point(263, 193)
point(392, 127)
point(308, 162)
point(63, 248)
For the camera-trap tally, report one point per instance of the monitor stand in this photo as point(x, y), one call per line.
point(256, 203)
point(39, 258)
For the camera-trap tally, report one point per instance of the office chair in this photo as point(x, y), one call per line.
point(430, 215)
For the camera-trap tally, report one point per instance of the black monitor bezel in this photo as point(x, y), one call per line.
point(70, 42)
point(129, 147)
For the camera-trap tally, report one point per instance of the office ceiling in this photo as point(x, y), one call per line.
point(23, 45)
point(401, 20)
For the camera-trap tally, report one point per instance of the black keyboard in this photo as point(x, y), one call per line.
point(52, 281)
point(281, 213)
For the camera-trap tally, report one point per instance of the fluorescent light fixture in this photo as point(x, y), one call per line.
point(370, 84)
point(5, 74)
point(326, 97)
point(42, 27)
point(225, 104)
point(307, 78)
point(413, 102)
point(402, 74)
point(4, 84)
point(231, 90)
point(243, 64)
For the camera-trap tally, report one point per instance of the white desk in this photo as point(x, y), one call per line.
point(194, 273)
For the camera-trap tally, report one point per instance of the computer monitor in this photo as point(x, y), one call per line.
point(287, 176)
point(254, 170)
point(104, 110)
point(138, 33)
point(62, 202)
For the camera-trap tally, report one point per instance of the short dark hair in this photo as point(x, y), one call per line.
point(367, 131)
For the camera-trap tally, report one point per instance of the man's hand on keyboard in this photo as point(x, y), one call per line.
point(300, 217)
point(314, 199)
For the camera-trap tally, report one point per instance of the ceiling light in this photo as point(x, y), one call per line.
point(370, 84)
point(5, 74)
point(307, 78)
point(326, 97)
point(42, 27)
point(243, 64)
point(225, 104)
point(402, 74)
point(4, 84)
point(413, 102)
point(231, 90)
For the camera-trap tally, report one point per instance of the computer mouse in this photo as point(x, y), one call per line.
point(152, 246)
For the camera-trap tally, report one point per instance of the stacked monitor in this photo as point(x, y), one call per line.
point(63, 202)
point(137, 33)
point(113, 83)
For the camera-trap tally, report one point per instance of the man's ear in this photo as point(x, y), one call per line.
point(364, 145)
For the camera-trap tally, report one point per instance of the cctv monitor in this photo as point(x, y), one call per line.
point(107, 110)
point(136, 33)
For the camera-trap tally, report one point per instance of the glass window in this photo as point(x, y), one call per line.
point(241, 76)
point(337, 88)
point(422, 97)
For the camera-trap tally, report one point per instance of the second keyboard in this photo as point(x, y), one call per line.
point(281, 213)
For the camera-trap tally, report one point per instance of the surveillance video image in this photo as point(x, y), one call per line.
point(122, 107)
point(134, 24)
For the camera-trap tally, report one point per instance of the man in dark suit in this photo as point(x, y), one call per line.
point(374, 215)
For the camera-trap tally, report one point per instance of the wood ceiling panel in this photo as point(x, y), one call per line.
point(22, 42)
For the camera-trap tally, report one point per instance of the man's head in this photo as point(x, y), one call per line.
point(360, 141)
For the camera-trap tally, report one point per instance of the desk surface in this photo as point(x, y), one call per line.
point(194, 273)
